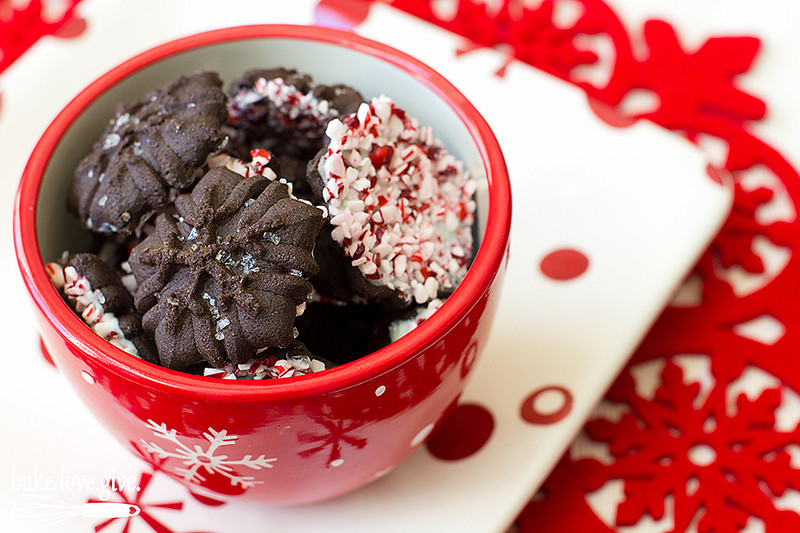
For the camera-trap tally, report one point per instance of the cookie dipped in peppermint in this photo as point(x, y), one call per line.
point(148, 151)
point(285, 112)
point(401, 209)
point(225, 275)
point(95, 291)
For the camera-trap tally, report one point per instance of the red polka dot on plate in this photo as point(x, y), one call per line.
point(546, 405)
point(465, 431)
point(71, 28)
point(716, 174)
point(564, 264)
point(342, 14)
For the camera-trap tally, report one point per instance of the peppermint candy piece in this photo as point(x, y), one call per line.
point(96, 293)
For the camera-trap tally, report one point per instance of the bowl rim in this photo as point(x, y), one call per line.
point(485, 267)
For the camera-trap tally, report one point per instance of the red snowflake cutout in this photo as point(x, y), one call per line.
point(699, 85)
point(21, 27)
point(734, 246)
point(144, 513)
point(696, 90)
point(721, 467)
point(338, 433)
point(537, 40)
point(527, 34)
point(697, 94)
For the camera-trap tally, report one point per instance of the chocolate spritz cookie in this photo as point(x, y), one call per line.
point(401, 209)
point(149, 150)
point(226, 275)
point(95, 291)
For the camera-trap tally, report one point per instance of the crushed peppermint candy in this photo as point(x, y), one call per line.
point(402, 207)
point(398, 328)
point(271, 367)
point(89, 305)
point(293, 108)
point(257, 166)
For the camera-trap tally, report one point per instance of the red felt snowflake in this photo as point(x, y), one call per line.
point(20, 27)
point(697, 86)
point(525, 33)
point(653, 446)
point(719, 467)
point(735, 246)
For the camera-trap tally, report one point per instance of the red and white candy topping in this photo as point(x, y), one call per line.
point(89, 305)
point(402, 207)
point(270, 367)
point(292, 107)
point(398, 328)
point(257, 166)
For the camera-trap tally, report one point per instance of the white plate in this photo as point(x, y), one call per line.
point(637, 202)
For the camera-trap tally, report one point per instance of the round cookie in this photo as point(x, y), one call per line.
point(401, 208)
point(149, 150)
point(226, 274)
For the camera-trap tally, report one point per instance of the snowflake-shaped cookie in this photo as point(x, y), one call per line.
point(150, 149)
point(226, 275)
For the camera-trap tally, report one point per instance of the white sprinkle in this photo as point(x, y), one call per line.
point(111, 140)
point(420, 293)
point(121, 121)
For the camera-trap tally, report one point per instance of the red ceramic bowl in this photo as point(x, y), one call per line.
point(282, 441)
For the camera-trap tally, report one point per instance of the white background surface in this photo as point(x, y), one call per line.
point(563, 164)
